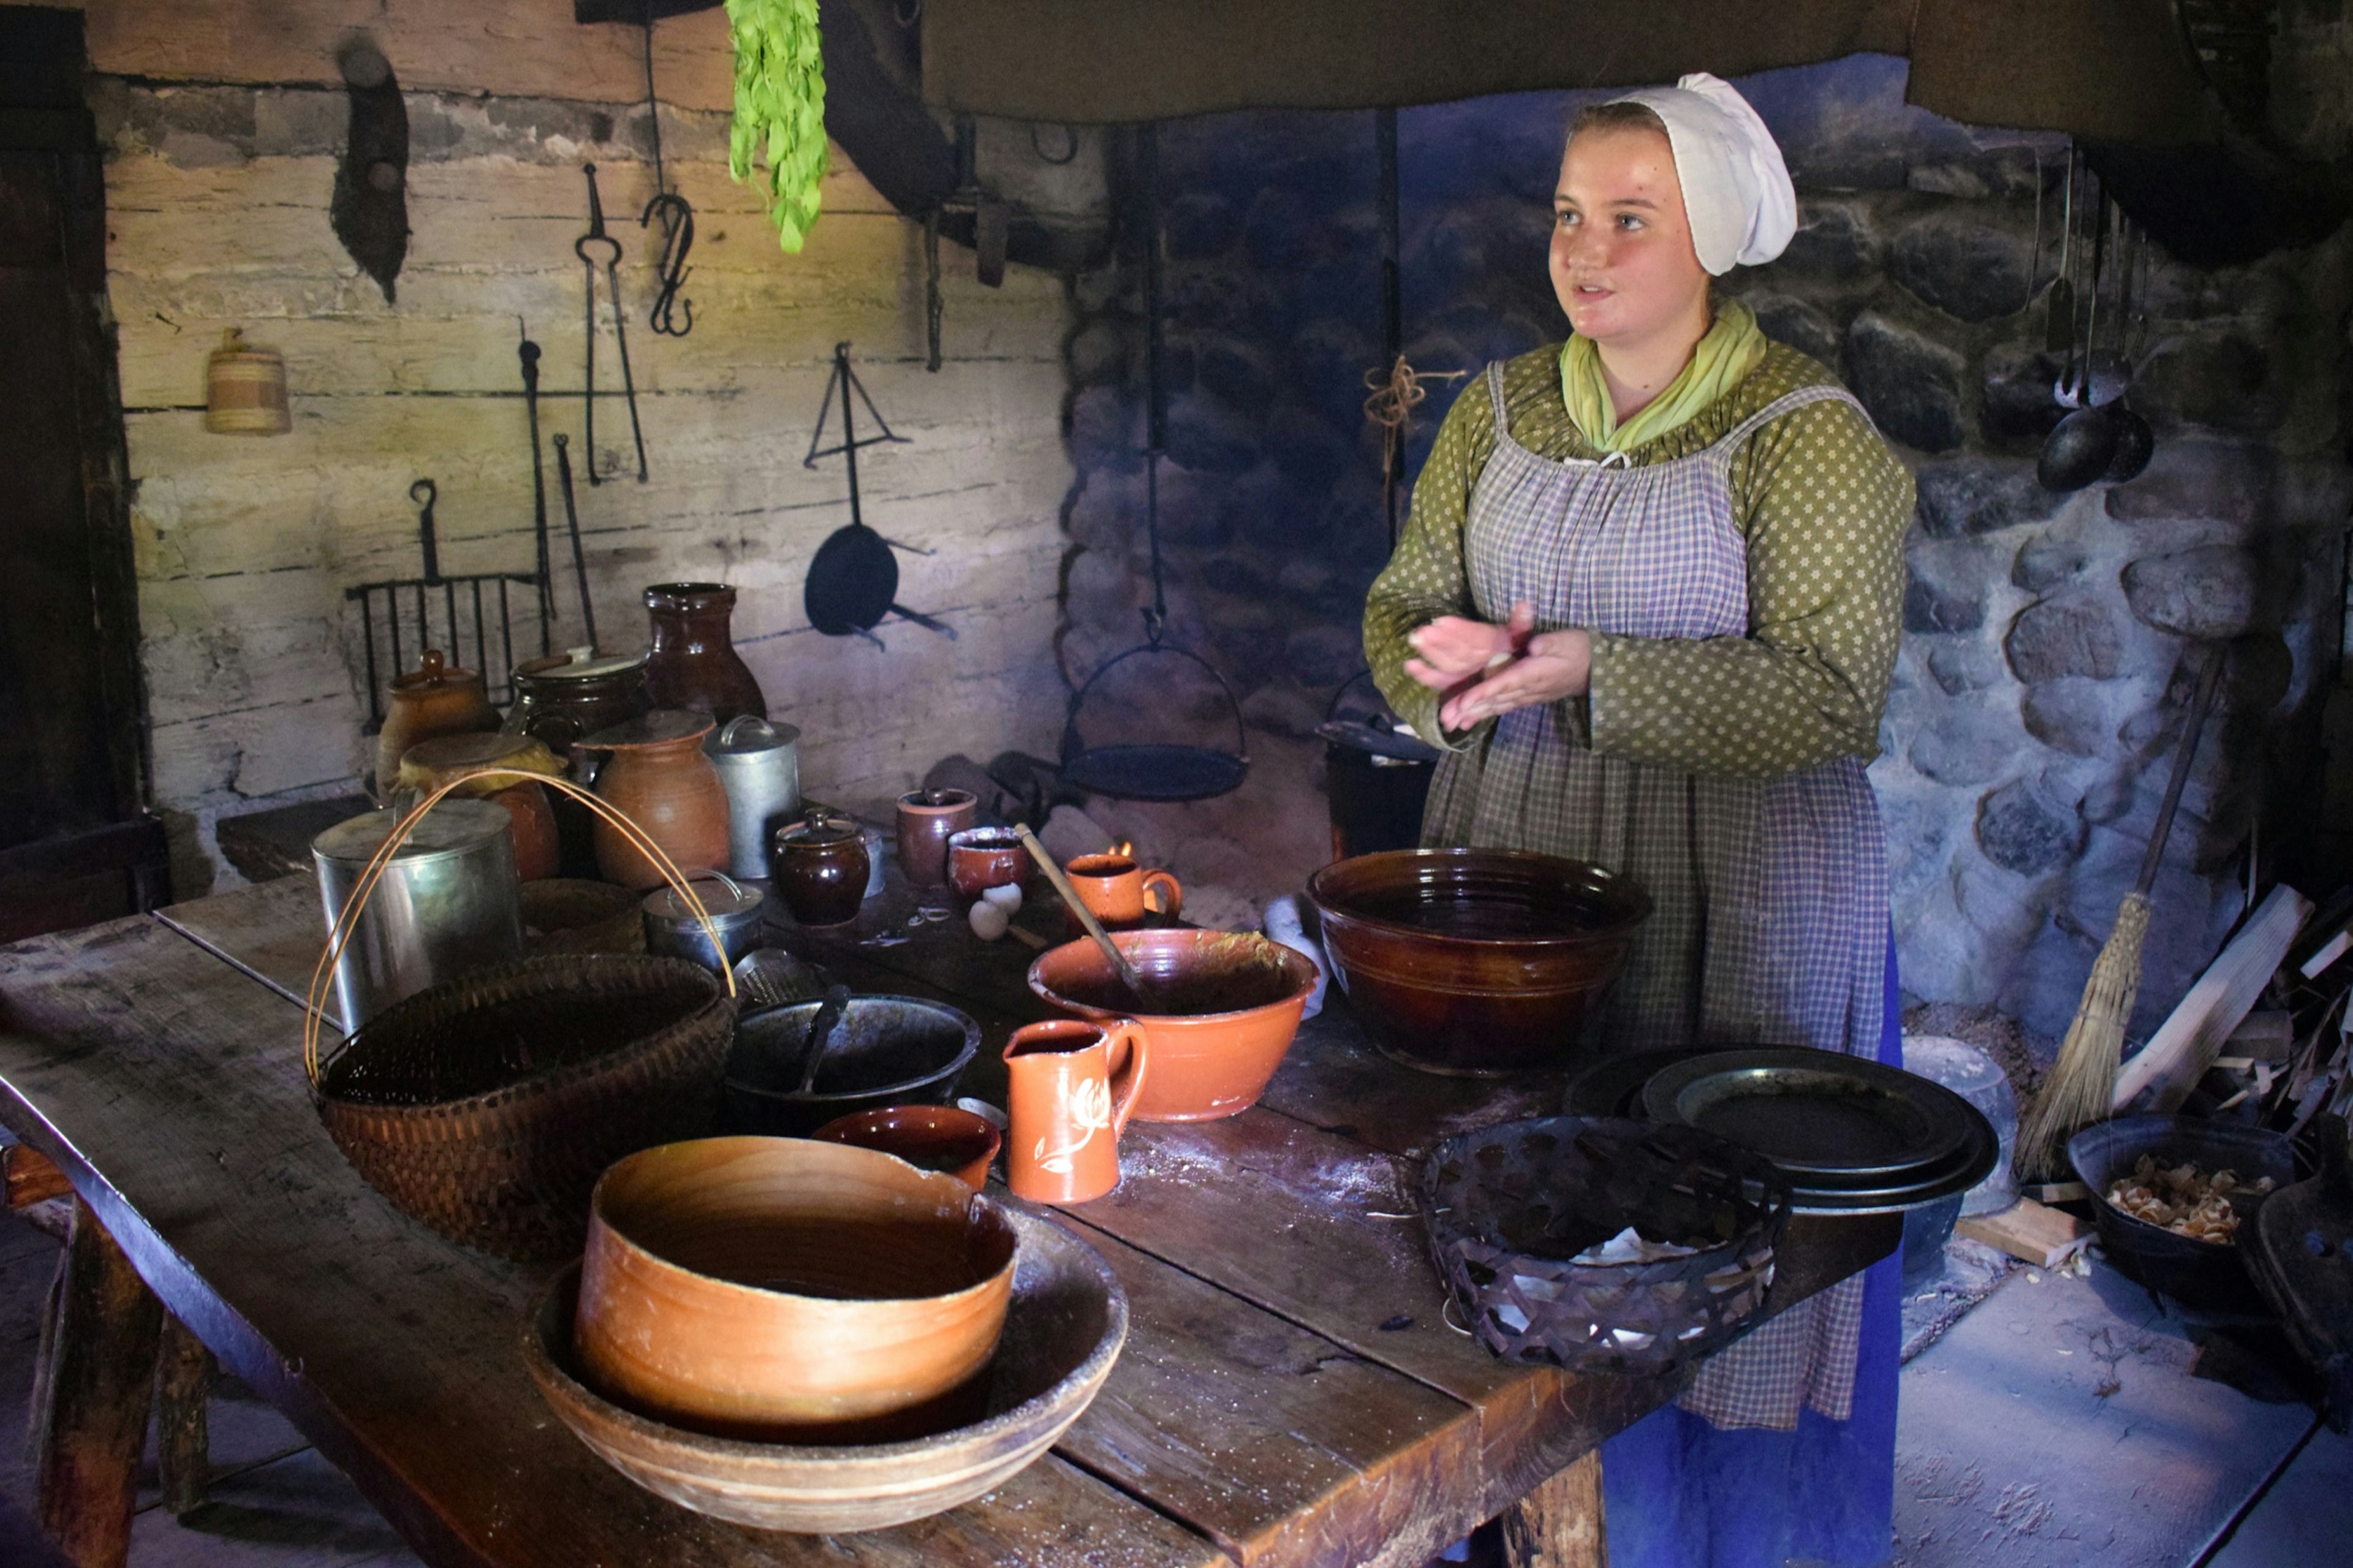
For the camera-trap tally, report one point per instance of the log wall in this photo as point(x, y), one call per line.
point(223, 123)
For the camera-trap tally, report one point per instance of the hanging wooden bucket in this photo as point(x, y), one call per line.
point(245, 390)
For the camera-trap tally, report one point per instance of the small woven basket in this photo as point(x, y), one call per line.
point(487, 1106)
point(1507, 1208)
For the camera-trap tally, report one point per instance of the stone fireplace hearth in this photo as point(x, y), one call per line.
point(2049, 640)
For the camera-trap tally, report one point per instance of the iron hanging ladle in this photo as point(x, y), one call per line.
point(583, 248)
point(2081, 448)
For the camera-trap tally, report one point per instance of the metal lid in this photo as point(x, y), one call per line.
point(453, 827)
point(583, 664)
point(746, 735)
point(721, 896)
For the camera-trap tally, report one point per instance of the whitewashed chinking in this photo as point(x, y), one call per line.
point(1770, 896)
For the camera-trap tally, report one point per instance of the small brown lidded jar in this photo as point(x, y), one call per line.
point(821, 868)
point(435, 698)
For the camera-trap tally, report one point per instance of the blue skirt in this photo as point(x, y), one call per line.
point(1678, 1492)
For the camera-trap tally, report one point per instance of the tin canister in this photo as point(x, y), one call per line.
point(672, 932)
point(760, 764)
point(447, 902)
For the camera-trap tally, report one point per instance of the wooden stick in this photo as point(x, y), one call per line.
point(1560, 1524)
point(2178, 1054)
point(183, 1382)
point(1086, 917)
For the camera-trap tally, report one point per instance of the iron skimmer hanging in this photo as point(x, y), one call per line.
point(1152, 770)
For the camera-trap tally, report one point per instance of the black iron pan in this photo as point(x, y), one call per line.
point(853, 583)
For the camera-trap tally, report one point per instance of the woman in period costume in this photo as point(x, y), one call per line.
point(1648, 600)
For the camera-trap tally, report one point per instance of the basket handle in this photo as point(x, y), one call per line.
point(347, 921)
point(1073, 743)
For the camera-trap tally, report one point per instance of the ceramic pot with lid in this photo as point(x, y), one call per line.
point(658, 778)
point(430, 764)
point(693, 663)
point(437, 697)
point(759, 763)
point(927, 819)
point(567, 695)
point(672, 932)
point(447, 902)
point(821, 868)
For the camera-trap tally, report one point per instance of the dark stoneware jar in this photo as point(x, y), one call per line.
point(693, 663)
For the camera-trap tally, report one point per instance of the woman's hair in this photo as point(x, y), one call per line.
point(1621, 115)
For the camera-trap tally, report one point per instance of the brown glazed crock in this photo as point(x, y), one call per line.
point(1538, 939)
point(980, 859)
point(437, 697)
point(821, 868)
point(658, 778)
point(768, 1288)
point(693, 663)
point(927, 819)
point(929, 1137)
point(1204, 1065)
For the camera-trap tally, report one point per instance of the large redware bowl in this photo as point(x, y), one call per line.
point(1475, 962)
point(776, 1288)
point(1233, 1001)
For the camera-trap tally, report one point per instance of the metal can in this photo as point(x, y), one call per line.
point(759, 763)
point(672, 932)
point(447, 902)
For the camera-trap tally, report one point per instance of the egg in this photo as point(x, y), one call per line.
point(988, 921)
point(1006, 898)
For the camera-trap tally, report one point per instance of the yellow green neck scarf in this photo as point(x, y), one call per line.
point(1729, 351)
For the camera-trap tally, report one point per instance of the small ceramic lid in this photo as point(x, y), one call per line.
point(821, 831)
point(720, 896)
point(661, 727)
point(583, 664)
point(453, 827)
point(938, 800)
point(748, 735)
point(434, 672)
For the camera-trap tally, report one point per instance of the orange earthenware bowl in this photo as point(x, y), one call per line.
point(928, 1137)
point(782, 1289)
point(1233, 1001)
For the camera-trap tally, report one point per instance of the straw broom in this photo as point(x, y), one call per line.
point(2082, 1086)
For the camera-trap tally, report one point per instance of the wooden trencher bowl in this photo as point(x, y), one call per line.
point(487, 1106)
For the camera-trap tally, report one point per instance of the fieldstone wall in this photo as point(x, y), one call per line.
point(2050, 639)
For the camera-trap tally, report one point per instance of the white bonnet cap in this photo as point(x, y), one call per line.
point(1737, 190)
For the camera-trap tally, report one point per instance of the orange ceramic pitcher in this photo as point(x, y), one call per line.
point(1072, 1086)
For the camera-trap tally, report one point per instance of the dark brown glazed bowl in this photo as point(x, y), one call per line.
point(1475, 962)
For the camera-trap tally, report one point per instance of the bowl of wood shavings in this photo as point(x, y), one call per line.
point(2170, 1195)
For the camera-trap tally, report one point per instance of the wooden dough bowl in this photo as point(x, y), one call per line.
point(1063, 1332)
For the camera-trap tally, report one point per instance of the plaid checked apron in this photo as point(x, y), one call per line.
point(1769, 913)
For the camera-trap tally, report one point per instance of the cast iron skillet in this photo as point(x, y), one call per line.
point(852, 584)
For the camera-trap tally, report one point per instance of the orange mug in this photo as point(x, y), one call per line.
point(1113, 888)
point(1072, 1086)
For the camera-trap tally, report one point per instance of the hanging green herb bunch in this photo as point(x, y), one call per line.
point(779, 109)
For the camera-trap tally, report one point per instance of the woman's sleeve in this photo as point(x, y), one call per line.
point(1829, 507)
point(1425, 577)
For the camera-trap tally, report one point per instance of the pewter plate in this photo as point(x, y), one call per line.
point(1832, 1121)
point(1973, 1163)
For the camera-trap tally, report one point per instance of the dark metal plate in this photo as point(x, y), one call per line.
point(1973, 1163)
point(1830, 1120)
point(1611, 1084)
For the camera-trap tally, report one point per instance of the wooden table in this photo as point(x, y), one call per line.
point(1289, 1392)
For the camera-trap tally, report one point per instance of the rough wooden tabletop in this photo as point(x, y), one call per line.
point(1289, 1392)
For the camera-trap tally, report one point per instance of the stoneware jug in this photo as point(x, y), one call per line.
point(926, 818)
point(693, 663)
point(437, 697)
point(659, 779)
point(1120, 893)
point(1071, 1088)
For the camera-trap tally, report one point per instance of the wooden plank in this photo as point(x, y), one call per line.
point(272, 931)
point(184, 1374)
point(1282, 1446)
point(524, 48)
point(2177, 1056)
point(169, 1084)
point(2029, 1231)
point(99, 1383)
point(28, 1176)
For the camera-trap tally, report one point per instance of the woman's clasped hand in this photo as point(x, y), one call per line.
point(1485, 670)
